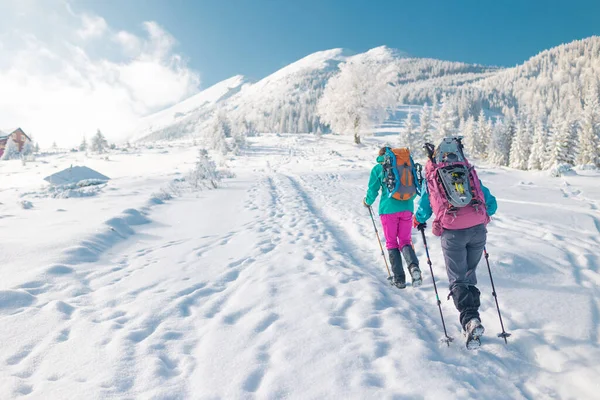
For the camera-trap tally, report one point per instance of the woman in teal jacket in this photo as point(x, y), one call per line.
point(396, 219)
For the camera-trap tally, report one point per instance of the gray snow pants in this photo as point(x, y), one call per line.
point(462, 250)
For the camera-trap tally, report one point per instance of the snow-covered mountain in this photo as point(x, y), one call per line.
point(285, 101)
point(554, 79)
point(551, 83)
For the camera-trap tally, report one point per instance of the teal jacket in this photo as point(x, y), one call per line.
point(424, 210)
point(387, 205)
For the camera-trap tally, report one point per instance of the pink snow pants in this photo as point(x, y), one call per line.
point(397, 228)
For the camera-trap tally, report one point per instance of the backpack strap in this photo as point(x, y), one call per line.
point(415, 178)
point(392, 156)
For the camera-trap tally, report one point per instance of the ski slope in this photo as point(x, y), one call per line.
point(273, 286)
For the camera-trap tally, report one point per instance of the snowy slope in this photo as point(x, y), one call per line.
point(175, 121)
point(285, 101)
point(273, 286)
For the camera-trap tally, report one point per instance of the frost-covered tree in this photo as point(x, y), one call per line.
point(499, 148)
point(359, 96)
point(470, 136)
point(521, 145)
point(217, 133)
point(205, 172)
point(445, 121)
point(11, 150)
point(83, 146)
point(589, 129)
point(99, 143)
point(562, 149)
point(425, 127)
point(537, 158)
point(483, 135)
point(408, 134)
point(28, 148)
point(36, 147)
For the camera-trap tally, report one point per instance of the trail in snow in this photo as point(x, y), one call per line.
point(274, 287)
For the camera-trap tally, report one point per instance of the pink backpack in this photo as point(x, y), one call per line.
point(454, 189)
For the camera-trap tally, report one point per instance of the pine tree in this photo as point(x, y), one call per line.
point(407, 136)
point(483, 135)
point(499, 147)
point(99, 143)
point(425, 125)
point(469, 135)
point(589, 129)
point(28, 148)
point(446, 120)
point(205, 172)
point(83, 145)
point(537, 158)
point(520, 148)
point(216, 136)
point(563, 146)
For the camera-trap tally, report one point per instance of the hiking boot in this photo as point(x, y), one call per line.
point(473, 331)
point(399, 279)
point(415, 274)
point(399, 282)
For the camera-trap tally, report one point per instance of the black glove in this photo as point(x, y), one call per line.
point(422, 226)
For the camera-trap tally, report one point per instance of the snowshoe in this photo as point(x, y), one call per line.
point(474, 330)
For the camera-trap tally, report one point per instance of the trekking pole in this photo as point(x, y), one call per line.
point(447, 339)
point(504, 334)
point(380, 246)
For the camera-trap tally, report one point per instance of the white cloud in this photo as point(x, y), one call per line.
point(62, 86)
point(92, 26)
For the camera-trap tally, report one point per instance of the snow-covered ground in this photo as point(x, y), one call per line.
point(273, 286)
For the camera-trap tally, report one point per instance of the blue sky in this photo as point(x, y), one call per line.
point(256, 37)
point(70, 67)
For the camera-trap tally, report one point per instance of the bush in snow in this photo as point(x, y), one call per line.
point(204, 173)
point(562, 170)
point(26, 205)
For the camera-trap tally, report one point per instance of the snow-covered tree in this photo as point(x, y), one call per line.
point(589, 129)
point(99, 143)
point(425, 127)
point(499, 148)
point(11, 150)
point(470, 136)
point(521, 146)
point(445, 121)
point(483, 135)
point(537, 158)
point(407, 136)
point(83, 146)
point(205, 172)
point(360, 96)
point(562, 149)
point(36, 147)
point(217, 133)
point(28, 148)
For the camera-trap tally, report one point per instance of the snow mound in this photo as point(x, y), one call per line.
point(562, 170)
point(14, 299)
point(76, 175)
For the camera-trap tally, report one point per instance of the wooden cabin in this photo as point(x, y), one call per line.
point(18, 136)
